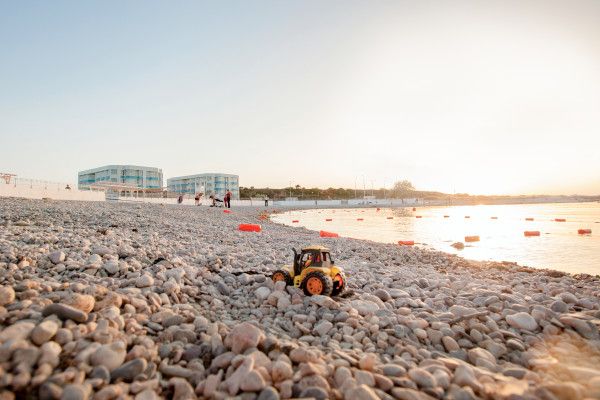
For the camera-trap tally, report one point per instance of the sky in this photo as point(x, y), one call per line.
point(484, 97)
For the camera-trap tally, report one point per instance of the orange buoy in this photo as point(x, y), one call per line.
point(328, 219)
point(529, 219)
point(467, 216)
point(295, 221)
point(229, 212)
point(378, 209)
point(584, 231)
point(249, 227)
point(560, 220)
point(471, 238)
point(418, 216)
point(406, 242)
point(446, 216)
point(390, 217)
point(531, 233)
point(494, 217)
point(328, 234)
point(360, 219)
point(414, 209)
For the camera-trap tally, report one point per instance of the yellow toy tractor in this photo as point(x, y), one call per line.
point(313, 271)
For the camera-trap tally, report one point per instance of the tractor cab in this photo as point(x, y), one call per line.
point(313, 256)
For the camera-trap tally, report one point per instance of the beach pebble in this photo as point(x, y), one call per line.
point(110, 355)
point(7, 295)
point(43, 332)
point(244, 336)
point(522, 320)
point(56, 257)
point(64, 312)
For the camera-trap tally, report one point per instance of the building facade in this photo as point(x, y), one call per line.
point(210, 183)
point(142, 177)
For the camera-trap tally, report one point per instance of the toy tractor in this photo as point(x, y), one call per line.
point(313, 271)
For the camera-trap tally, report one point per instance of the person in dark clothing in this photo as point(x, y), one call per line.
point(228, 199)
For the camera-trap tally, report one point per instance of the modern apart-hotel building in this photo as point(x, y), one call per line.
point(142, 177)
point(210, 183)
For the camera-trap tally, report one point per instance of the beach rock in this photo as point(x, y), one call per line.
point(365, 307)
point(17, 331)
point(422, 377)
point(110, 356)
point(7, 295)
point(362, 392)
point(252, 382)
point(43, 332)
point(323, 327)
point(244, 336)
point(182, 390)
point(281, 371)
point(262, 293)
point(56, 257)
point(269, 393)
point(314, 392)
point(130, 369)
point(144, 281)
point(64, 312)
point(522, 320)
point(75, 392)
point(81, 302)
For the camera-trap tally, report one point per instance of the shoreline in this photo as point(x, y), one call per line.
point(187, 303)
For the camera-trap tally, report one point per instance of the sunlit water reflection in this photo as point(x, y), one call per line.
point(559, 246)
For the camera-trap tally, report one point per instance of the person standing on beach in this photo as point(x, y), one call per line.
point(197, 199)
point(266, 201)
point(228, 198)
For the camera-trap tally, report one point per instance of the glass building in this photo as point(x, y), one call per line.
point(142, 177)
point(209, 183)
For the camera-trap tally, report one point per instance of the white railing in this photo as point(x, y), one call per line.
point(39, 189)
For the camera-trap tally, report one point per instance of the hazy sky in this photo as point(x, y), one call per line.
point(465, 96)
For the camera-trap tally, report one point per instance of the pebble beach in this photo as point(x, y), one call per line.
point(103, 300)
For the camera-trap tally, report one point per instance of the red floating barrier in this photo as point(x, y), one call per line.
point(446, 216)
point(471, 238)
point(584, 231)
point(418, 216)
point(531, 233)
point(360, 219)
point(390, 217)
point(494, 217)
point(406, 242)
point(328, 219)
point(529, 219)
point(249, 227)
point(560, 220)
point(328, 234)
point(227, 211)
point(295, 221)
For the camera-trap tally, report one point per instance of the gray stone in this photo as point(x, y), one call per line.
point(130, 369)
point(522, 320)
point(64, 311)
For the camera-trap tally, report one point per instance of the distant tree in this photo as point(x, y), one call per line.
point(403, 188)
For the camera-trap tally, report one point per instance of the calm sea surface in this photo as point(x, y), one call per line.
point(559, 245)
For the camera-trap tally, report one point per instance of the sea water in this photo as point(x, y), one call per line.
point(500, 229)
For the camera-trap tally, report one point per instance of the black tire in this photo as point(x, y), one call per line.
point(336, 289)
point(288, 278)
point(326, 282)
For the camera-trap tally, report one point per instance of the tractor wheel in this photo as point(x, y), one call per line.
point(339, 284)
point(317, 282)
point(282, 275)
